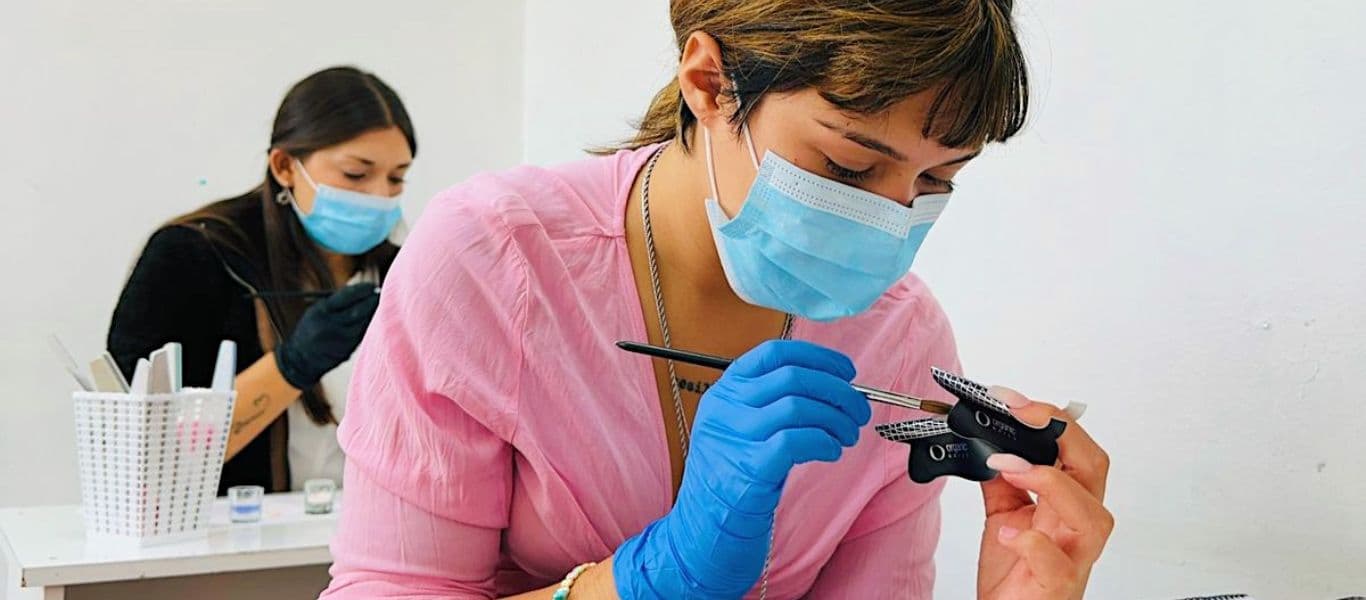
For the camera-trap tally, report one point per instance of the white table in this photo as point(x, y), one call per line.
point(285, 555)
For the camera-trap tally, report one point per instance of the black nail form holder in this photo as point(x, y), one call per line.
point(936, 451)
point(977, 427)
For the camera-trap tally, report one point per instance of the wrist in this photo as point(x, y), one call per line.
point(647, 566)
point(284, 363)
point(566, 585)
point(675, 557)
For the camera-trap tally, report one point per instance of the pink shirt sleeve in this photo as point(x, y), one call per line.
point(431, 410)
point(386, 547)
point(889, 551)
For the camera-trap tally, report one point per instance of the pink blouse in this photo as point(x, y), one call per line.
point(496, 437)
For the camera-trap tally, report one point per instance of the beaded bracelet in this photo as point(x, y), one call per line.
point(562, 592)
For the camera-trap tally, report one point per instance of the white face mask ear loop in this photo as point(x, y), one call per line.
point(711, 166)
point(749, 141)
point(305, 173)
point(289, 193)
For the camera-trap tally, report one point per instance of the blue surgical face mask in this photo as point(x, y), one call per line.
point(347, 222)
point(811, 246)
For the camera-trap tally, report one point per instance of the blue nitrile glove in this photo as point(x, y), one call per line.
point(782, 404)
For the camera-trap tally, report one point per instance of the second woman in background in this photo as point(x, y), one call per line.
point(289, 270)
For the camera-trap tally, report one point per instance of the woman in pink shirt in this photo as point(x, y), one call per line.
point(499, 444)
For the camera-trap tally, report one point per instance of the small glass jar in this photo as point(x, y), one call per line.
point(244, 503)
point(318, 496)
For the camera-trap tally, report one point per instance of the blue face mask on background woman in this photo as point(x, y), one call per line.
point(811, 246)
point(347, 222)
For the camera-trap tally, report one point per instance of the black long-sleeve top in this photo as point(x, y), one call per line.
point(183, 290)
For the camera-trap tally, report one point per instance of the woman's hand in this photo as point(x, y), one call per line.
point(327, 335)
point(1044, 549)
point(780, 405)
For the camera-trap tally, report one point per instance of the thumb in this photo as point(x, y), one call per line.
point(362, 311)
point(350, 296)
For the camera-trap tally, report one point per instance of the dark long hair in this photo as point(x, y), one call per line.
point(327, 108)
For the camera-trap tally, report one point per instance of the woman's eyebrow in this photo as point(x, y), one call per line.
point(370, 163)
point(882, 148)
point(865, 141)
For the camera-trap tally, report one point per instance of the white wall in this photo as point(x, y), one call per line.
point(1177, 240)
point(592, 67)
point(117, 116)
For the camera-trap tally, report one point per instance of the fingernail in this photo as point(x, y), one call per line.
point(1008, 533)
point(1008, 397)
point(1008, 463)
point(1075, 410)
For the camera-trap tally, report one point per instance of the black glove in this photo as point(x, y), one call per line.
point(326, 335)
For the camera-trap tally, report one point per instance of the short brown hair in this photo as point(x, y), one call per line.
point(863, 56)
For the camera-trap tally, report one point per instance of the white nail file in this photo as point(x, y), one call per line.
point(140, 375)
point(225, 369)
point(159, 375)
point(174, 363)
point(108, 378)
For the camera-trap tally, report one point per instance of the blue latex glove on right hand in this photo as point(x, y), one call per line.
point(782, 404)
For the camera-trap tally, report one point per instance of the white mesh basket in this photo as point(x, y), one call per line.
point(150, 464)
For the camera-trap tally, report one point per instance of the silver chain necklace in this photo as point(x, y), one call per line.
point(653, 261)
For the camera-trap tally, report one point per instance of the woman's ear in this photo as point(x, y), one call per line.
point(281, 167)
point(702, 80)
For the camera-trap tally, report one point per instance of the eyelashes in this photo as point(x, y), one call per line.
point(946, 185)
point(845, 173)
point(361, 176)
point(852, 176)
